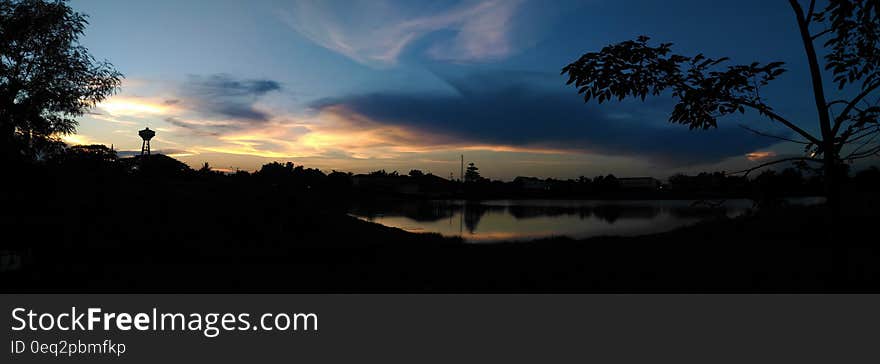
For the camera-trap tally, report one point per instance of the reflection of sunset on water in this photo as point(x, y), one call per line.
point(510, 220)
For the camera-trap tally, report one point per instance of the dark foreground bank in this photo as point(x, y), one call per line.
point(778, 250)
point(99, 231)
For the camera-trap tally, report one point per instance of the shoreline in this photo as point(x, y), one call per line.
point(739, 254)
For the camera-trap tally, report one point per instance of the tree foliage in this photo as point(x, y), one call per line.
point(852, 29)
point(472, 173)
point(706, 89)
point(704, 92)
point(47, 78)
point(853, 43)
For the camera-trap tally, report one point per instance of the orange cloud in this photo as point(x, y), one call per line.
point(759, 155)
point(335, 132)
point(338, 128)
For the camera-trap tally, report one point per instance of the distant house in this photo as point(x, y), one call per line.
point(639, 183)
point(531, 183)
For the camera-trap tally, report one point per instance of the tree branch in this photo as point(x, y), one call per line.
point(776, 117)
point(858, 136)
point(851, 105)
point(811, 11)
point(819, 34)
point(866, 143)
point(772, 136)
point(829, 153)
point(762, 165)
point(836, 102)
point(868, 153)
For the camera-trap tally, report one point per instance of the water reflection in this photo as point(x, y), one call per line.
point(488, 221)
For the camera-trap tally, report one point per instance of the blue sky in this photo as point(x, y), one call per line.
point(397, 85)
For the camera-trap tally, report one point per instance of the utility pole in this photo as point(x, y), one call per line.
point(461, 173)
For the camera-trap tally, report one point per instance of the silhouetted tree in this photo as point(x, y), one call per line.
point(416, 173)
point(207, 171)
point(605, 184)
point(98, 152)
point(339, 182)
point(705, 92)
point(276, 172)
point(85, 161)
point(47, 78)
point(471, 174)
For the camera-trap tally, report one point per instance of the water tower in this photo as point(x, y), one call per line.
point(146, 135)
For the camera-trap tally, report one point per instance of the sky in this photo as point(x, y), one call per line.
point(362, 85)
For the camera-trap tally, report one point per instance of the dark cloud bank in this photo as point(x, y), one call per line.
point(520, 115)
point(224, 96)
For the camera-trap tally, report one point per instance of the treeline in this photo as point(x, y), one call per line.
point(96, 164)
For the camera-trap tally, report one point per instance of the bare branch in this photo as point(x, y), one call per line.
point(861, 136)
point(819, 34)
point(875, 154)
point(773, 136)
point(836, 102)
point(866, 143)
point(762, 165)
point(851, 105)
point(776, 117)
point(868, 153)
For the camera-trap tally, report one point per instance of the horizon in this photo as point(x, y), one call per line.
point(396, 85)
point(455, 178)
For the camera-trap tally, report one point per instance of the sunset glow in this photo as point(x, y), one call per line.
point(403, 88)
point(756, 156)
point(123, 106)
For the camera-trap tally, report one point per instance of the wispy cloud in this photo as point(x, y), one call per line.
point(203, 105)
point(377, 32)
point(226, 96)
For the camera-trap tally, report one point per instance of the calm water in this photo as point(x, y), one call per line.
point(506, 220)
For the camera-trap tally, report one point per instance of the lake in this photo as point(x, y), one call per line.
point(518, 220)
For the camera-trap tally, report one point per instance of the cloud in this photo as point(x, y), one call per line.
point(502, 112)
point(760, 155)
point(203, 106)
point(122, 106)
point(377, 32)
point(225, 96)
point(275, 139)
point(195, 127)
